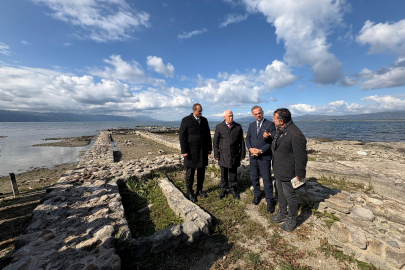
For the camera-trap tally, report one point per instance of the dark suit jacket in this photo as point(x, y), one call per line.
point(256, 140)
point(290, 156)
point(229, 145)
point(195, 140)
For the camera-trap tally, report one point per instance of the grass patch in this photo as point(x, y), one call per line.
point(138, 194)
point(293, 266)
point(334, 251)
point(253, 258)
point(252, 228)
point(328, 218)
point(342, 184)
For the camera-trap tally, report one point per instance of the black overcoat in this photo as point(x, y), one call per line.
point(229, 145)
point(195, 140)
point(290, 155)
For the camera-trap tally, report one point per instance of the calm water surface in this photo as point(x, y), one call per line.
point(18, 155)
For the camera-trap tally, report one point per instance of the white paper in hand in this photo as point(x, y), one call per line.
point(297, 183)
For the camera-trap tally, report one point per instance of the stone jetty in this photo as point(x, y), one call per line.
point(81, 220)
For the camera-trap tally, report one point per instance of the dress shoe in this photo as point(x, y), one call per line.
point(289, 225)
point(192, 198)
point(256, 200)
point(278, 218)
point(202, 194)
point(271, 207)
point(235, 194)
point(222, 194)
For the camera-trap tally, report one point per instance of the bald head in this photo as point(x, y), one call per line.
point(228, 116)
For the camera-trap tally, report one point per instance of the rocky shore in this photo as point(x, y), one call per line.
point(81, 222)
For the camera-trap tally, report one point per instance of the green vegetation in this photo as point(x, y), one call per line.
point(138, 194)
point(330, 218)
point(334, 251)
point(342, 184)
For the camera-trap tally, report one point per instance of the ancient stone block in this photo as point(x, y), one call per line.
point(104, 232)
point(359, 239)
point(363, 214)
point(166, 238)
point(376, 246)
point(191, 232)
point(339, 232)
point(339, 205)
point(395, 256)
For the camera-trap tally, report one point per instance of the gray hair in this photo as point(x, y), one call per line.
point(256, 107)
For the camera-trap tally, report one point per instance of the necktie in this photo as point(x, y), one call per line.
point(258, 127)
point(198, 120)
point(229, 125)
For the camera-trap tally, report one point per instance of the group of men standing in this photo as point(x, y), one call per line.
point(280, 141)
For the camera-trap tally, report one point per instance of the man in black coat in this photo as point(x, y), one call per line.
point(196, 145)
point(260, 157)
point(229, 150)
point(289, 160)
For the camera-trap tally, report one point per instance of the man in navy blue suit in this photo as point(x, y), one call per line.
point(260, 157)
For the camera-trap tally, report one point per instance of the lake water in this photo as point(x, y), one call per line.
point(17, 154)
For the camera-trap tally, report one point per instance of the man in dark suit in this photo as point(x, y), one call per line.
point(229, 150)
point(260, 157)
point(196, 145)
point(289, 160)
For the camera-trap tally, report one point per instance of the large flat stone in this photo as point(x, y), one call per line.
point(340, 205)
point(363, 213)
point(395, 256)
point(339, 232)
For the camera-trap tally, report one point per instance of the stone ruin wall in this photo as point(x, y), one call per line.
point(82, 215)
point(81, 222)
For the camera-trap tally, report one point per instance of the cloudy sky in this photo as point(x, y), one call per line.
point(157, 58)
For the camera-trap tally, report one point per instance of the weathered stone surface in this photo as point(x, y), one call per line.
point(395, 256)
point(339, 205)
point(376, 246)
point(339, 232)
point(166, 238)
point(191, 232)
point(359, 239)
point(363, 213)
point(104, 232)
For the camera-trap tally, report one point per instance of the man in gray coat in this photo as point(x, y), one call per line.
point(289, 160)
point(196, 145)
point(229, 150)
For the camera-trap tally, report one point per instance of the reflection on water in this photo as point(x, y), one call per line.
point(17, 155)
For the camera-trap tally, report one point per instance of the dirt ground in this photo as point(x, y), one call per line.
point(36, 178)
point(133, 146)
point(68, 142)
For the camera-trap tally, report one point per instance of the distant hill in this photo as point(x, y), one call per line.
point(24, 116)
point(398, 115)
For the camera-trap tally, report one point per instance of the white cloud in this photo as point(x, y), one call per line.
point(157, 64)
point(371, 104)
point(304, 26)
point(67, 44)
point(347, 82)
point(192, 33)
point(235, 89)
point(124, 71)
point(383, 37)
point(233, 18)
point(365, 74)
point(99, 20)
point(273, 99)
point(393, 76)
point(25, 42)
point(4, 48)
point(35, 89)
